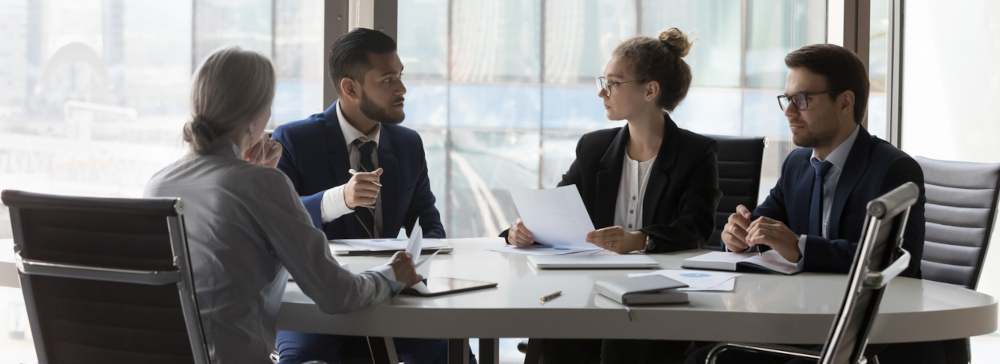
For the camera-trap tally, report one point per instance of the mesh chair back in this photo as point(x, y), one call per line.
point(879, 258)
point(740, 161)
point(106, 280)
point(960, 209)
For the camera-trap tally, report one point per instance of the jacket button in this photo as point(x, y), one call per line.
point(629, 226)
point(631, 211)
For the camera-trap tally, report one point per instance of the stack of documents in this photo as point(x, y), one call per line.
point(698, 280)
point(382, 246)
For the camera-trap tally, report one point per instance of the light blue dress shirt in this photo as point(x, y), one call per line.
point(247, 230)
point(838, 157)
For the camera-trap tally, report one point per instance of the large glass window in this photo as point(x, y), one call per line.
point(951, 82)
point(501, 91)
point(93, 93)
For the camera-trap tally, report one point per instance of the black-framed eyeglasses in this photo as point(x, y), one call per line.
point(799, 99)
point(604, 84)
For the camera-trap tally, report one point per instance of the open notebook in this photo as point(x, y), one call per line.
point(740, 262)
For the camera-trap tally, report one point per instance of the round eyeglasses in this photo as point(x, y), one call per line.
point(604, 84)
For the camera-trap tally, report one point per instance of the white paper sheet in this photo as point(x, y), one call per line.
point(699, 280)
point(422, 267)
point(415, 243)
point(541, 250)
point(555, 216)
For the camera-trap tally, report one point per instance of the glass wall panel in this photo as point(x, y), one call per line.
point(951, 84)
point(511, 84)
point(717, 26)
point(878, 68)
point(94, 93)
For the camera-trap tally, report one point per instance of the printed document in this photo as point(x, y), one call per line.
point(555, 216)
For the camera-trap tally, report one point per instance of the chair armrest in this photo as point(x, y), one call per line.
point(762, 348)
point(881, 279)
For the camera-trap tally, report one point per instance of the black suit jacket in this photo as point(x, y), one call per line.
point(873, 168)
point(681, 195)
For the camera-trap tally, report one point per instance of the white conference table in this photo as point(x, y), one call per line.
point(771, 308)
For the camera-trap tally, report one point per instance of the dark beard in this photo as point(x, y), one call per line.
point(373, 111)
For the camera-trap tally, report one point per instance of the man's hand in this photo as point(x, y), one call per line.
point(403, 268)
point(616, 239)
point(734, 234)
point(519, 236)
point(775, 234)
point(266, 152)
point(360, 191)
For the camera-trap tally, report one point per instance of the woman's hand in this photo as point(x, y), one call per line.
point(618, 240)
point(266, 152)
point(519, 236)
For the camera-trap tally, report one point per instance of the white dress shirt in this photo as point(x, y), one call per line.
point(631, 189)
point(334, 204)
point(838, 157)
point(246, 231)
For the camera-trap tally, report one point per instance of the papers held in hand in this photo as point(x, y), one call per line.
point(644, 290)
point(769, 261)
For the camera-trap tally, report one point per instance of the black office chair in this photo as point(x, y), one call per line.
point(740, 160)
point(960, 210)
point(879, 259)
point(106, 280)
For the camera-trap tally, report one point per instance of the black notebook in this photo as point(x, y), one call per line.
point(769, 261)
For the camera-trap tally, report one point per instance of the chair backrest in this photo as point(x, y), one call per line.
point(960, 209)
point(106, 280)
point(740, 160)
point(879, 258)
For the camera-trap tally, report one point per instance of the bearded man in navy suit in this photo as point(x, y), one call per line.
point(360, 175)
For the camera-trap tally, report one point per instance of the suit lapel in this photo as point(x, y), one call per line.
point(798, 211)
point(854, 168)
point(609, 176)
point(390, 178)
point(337, 155)
point(659, 176)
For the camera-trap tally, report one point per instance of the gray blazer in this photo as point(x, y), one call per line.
point(247, 230)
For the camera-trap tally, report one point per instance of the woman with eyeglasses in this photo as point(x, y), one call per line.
point(649, 186)
point(246, 227)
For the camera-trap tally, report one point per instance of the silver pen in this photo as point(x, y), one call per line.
point(353, 172)
point(550, 297)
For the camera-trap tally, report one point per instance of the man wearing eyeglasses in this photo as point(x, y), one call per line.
point(815, 213)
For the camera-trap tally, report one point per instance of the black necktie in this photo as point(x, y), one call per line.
point(816, 206)
point(364, 215)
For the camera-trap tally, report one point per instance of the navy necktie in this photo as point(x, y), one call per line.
point(364, 215)
point(816, 206)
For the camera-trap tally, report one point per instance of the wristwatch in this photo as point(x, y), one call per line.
point(650, 245)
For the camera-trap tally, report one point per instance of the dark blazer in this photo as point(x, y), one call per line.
point(681, 195)
point(873, 168)
point(315, 158)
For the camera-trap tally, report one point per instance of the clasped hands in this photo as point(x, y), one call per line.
point(612, 238)
point(742, 233)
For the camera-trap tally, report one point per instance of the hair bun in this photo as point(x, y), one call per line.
point(676, 41)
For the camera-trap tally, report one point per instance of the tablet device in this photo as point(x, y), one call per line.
point(443, 285)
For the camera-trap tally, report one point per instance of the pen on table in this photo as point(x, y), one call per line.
point(551, 296)
point(758, 249)
point(353, 172)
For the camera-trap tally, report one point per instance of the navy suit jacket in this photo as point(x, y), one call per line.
point(873, 168)
point(316, 159)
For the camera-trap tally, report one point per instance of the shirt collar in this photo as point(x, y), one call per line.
point(839, 155)
point(351, 133)
point(223, 147)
